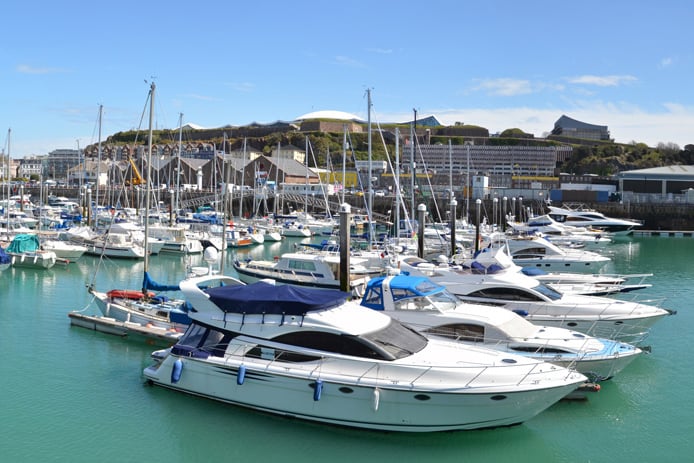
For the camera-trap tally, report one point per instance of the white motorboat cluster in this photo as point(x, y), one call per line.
point(414, 345)
point(337, 363)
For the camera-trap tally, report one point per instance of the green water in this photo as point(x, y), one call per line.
point(73, 395)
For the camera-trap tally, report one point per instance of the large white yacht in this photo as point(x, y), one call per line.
point(311, 354)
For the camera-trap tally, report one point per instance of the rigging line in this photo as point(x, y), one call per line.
point(428, 179)
point(361, 185)
point(396, 181)
point(323, 190)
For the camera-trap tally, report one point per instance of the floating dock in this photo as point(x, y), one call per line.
point(664, 233)
point(160, 336)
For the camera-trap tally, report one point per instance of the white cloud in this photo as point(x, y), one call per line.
point(380, 51)
point(505, 87)
point(26, 69)
point(666, 62)
point(347, 61)
point(244, 87)
point(196, 96)
point(602, 81)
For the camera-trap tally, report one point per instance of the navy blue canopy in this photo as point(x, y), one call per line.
point(266, 298)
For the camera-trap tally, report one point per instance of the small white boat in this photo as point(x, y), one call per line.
point(313, 269)
point(595, 284)
point(533, 251)
point(176, 239)
point(64, 250)
point(236, 239)
point(310, 354)
point(296, 230)
point(25, 251)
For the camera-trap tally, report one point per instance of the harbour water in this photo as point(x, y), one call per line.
point(71, 394)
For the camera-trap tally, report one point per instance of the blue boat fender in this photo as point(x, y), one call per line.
point(176, 371)
point(317, 390)
point(241, 377)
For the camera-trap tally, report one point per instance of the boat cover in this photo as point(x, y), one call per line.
point(401, 287)
point(24, 243)
point(149, 284)
point(533, 271)
point(266, 298)
point(4, 258)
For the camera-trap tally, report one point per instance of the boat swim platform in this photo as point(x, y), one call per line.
point(664, 233)
point(151, 334)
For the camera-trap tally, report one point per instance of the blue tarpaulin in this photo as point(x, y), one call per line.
point(24, 243)
point(4, 258)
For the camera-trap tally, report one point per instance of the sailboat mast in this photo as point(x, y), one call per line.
point(243, 180)
point(370, 170)
point(226, 205)
point(396, 184)
point(413, 167)
point(450, 169)
point(344, 159)
point(277, 177)
point(98, 164)
point(467, 185)
point(306, 184)
point(149, 174)
point(7, 180)
point(178, 165)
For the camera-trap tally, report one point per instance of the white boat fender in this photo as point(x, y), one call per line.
point(376, 398)
point(176, 371)
point(241, 376)
point(317, 390)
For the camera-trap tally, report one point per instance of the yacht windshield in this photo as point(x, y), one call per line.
point(397, 339)
point(441, 301)
point(548, 292)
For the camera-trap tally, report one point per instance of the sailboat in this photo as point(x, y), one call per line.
point(143, 306)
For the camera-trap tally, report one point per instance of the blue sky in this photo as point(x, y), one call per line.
point(497, 64)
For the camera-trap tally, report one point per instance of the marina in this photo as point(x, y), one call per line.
point(92, 383)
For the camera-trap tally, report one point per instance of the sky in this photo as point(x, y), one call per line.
point(498, 64)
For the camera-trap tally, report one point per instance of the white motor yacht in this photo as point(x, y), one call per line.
point(311, 354)
point(627, 321)
point(582, 217)
point(533, 251)
point(433, 310)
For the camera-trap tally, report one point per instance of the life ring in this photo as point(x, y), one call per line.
point(127, 294)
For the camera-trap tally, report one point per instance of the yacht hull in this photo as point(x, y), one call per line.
point(363, 402)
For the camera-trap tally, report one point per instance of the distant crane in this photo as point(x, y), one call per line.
point(136, 177)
